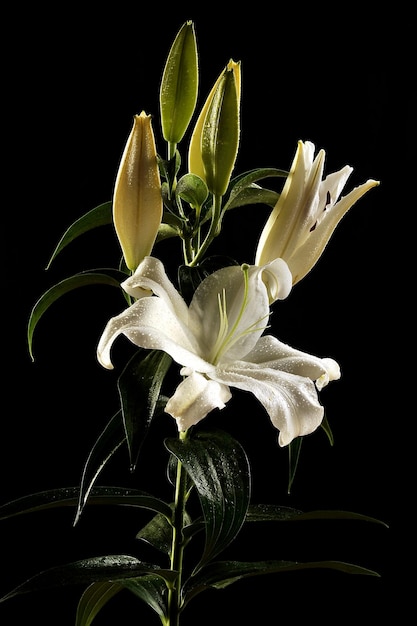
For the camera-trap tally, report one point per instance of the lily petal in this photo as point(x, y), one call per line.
point(194, 398)
point(290, 400)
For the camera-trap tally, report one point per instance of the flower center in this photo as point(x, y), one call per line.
point(227, 335)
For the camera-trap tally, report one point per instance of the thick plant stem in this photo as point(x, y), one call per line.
point(177, 548)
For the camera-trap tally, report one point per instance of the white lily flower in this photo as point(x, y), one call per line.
point(307, 212)
point(218, 340)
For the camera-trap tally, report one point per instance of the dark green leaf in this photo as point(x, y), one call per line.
point(109, 568)
point(326, 427)
point(219, 468)
point(92, 601)
point(192, 189)
point(109, 441)
point(275, 513)
point(99, 216)
point(294, 450)
point(245, 180)
point(69, 496)
point(83, 279)
point(220, 574)
point(158, 532)
point(190, 277)
point(152, 589)
point(253, 194)
point(271, 513)
point(139, 388)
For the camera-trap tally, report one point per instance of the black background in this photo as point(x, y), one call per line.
point(74, 78)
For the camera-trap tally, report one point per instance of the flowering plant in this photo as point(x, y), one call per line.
point(199, 331)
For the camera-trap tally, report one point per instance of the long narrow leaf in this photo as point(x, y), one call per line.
point(107, 444)
point(139, 388)
point(83, 279)
point(246, 179)
point(109, 568)
point(69, 496)
point(220, 574)
point(99, 216)
point(219, 468)
point(94, 598)
point(275, 513)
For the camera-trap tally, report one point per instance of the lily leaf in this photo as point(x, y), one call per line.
point(245, 180)
point(82, 279)
point(99, 216)
point(93, 599)
point(192, 189)
point(152, 589)
point(220, 574)
point(109, 441)
point(139, 389)
point(109, 568)
point(275, 513)
point(253, 194)
point(190, 277)
point(69, 496)
point(219, 468)
point(294, 450)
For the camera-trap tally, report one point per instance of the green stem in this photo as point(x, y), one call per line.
point(213, 231)
point(177, 549)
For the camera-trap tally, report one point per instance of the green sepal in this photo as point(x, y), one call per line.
point(99, 216)
point(139, 388)
point(189, 278)
point(94, 598)
point(83, 279)
point(219, 469)
point(69, 496)
point(179, 85)
point(242, 189)
point(221, 574)
point(110, 568)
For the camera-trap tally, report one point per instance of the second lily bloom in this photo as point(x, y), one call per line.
point(307, 212)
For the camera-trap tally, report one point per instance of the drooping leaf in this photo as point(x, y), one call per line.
point(107, 444)
point(84, 279)
point(69, 496)
point(219, 468)
point(294, 450)
point(139, 389)
point(109, 568)
point(94, 598)
point(275, 513)
point(99, 216)
point(220, 574)
point(152, 590)
point(254, 194)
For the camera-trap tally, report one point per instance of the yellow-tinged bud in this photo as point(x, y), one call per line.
point(215, 139)
point(179, 85)
point(137, 202)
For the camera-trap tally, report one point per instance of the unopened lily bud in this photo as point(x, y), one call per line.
point(179, 85)
point(215, 139)
point(137, 202)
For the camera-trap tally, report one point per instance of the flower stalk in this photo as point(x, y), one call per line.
point(177, 548)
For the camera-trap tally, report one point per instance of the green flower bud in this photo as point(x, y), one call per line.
point(179, 85)
point(137, 202)
point(215, 139)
